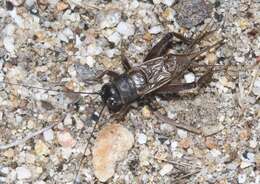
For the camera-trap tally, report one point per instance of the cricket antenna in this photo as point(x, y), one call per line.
point(95, 117)
point(60, 91)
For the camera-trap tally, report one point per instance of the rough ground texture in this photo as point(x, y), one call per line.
point(51, 44)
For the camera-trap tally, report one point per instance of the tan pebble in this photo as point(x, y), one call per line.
point(65, 139)
point(40, 35)
point(9, 153)
point(211, 58)
point(244, 135)
point(61, 6)
point(147, 37)
point(146, 112)
point(185, 143)
point(112, 145)
point(257, 160)
point(210, 143)
point(41, 148)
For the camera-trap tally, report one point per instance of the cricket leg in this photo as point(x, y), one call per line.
point(110, 73)
point(127, 66)
point(174, 88)
point(120, 116)
point(164, 44)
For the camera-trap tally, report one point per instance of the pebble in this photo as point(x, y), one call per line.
point(142, 138)
point(146, 112)
point(114, 38)
point(253, 143)
point(109, 18)
point(241, 178)
point(155, 29)
point(125, 29)
point(144, 156)
point(65, 139)
point(111, 146)
point(244, 135)
point(48, 135)
point(182, 133)
point(41, 148)
point(189, 77)
point(166, 169)
point(23, 173)
point(210, 142)
point(9, 44)
point(168, 2)
point(185, 143)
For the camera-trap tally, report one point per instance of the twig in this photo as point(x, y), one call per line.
point(181, 126)
point(176, 163)
point(31, 135)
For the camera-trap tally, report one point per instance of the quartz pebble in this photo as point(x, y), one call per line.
point(142, 138)
point(23, 173)
point(111, 145)
point(241, 178)
point(155, 29)
point(125, 29)
point(166, 169)
point(65, 139)
point(41, 148)
point(48, 135)
point(189, 77)
point(108, 18)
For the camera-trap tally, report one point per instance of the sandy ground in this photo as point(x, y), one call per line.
point(50, 44)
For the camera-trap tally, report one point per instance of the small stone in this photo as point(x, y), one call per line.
point(211, 58)
point(61, 6)
point(111, 146)
point(210, 143)
point(9, 44)
point(167, 168)
point(215, 152)
point(144, 157)
point(114, 38)
point(185, 143)
point(252, 143)
point(189, 77)
point(125, 29)
point(23, 173)
point(9, 153)
point(155, 29)
point(244, 135)
point(65, 139)
point(68, 120)
point(241, 178)
point(142, 138)
point(109, 18)
point(41, 148)
point(168, 2)
point(182, 133)
point(48, 135)
point(257, 160)
point(146, 112)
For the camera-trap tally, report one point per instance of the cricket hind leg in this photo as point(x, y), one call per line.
point(175, 88)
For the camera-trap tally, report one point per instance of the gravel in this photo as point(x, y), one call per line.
point(60, 45)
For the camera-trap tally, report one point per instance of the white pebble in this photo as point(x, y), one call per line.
point(182, 133)
point(108, 18)
point(48, 135)
point(125, 29)
point(241, 178)
point(155, 29)
point(189, 77)
point(115, 38)
point(168, 2)
point(253, 143)
point(23, 173)
point(142, 138)
point(167, 168)
point(90, 61)
point(9, 44)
